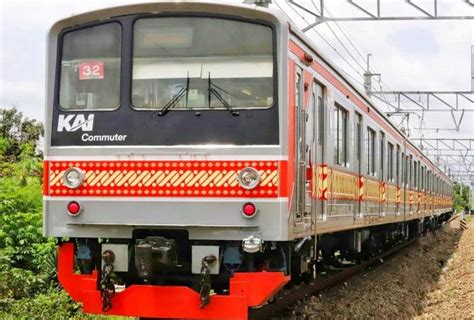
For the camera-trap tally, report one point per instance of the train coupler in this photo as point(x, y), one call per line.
point(205, 279)
point(106, 285)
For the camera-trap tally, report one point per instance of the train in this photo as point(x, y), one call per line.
point(199, 157)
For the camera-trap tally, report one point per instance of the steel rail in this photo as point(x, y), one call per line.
point(299, 292)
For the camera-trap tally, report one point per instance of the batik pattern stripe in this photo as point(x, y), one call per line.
point(164, 178)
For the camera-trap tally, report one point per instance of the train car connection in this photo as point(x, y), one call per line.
point(201, 156)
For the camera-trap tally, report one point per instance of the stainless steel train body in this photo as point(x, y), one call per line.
point(221, 126)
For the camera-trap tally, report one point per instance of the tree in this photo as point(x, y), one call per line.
point(16, 131)
point(462, 197)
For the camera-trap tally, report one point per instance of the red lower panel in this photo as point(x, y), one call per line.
point(246, 290)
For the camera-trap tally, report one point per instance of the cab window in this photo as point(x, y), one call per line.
point(90, 68)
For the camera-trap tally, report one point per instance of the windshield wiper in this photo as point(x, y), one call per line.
point(170, 104)
point(219, 97)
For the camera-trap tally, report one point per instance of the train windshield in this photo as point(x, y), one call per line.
point(90, 68)
point(200, 63)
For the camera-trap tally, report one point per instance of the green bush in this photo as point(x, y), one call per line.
point(28, 282)
point(15, 197)
point(21, 240)
point(53, 304)
point(17, 283)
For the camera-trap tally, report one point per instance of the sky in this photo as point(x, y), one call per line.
point(410, 55)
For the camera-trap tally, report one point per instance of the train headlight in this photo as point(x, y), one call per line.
point(249, 178)
point(73, 178)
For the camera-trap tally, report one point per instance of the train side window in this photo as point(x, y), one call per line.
point(431, 186)
point(428, 180)
point(390, 154)
point(358, 134)
point(382, 155)
point(90, 68)
point(397, 166)
point(411, 175)
point(370, 151)
point(403, 170)
point(422, 177)
point(297, 90)
point(320, 114)
point(424, 184)
point(340, 136)
point(422, 180)
point(415, 175)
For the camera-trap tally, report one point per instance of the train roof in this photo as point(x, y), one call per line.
point(169, 6)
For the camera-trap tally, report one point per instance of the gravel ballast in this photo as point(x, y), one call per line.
point(433, 278)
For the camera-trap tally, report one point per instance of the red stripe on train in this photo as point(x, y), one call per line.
point(165, 178)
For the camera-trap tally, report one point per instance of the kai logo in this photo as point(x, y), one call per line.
point(74, 122)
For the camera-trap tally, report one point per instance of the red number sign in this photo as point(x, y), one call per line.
point(91, 70)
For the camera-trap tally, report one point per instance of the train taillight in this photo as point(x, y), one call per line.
point(74, 208)
point(249, 210)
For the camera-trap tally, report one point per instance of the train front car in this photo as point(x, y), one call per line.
point(163, 159)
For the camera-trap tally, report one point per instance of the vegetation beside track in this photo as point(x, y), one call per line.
point(28, 285)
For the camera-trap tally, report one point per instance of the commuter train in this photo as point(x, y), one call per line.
point(201, 156)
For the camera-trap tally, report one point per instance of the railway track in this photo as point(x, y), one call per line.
point(298, 292)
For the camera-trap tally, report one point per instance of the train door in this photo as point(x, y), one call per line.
point(319, 149)
point(358, 159)
point(300, 154)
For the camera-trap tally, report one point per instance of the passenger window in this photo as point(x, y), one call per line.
point(403, 170)
point(358, 134)
point(320, 114)
point(390, 162)
point(340, 136)
point(297, 91)
point(382, 155)
point(411, 177)
point(90, 68)
point(397, 166)
point(415, 175)
point(369, 151)
point(423, 178)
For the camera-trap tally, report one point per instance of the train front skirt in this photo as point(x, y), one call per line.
point(246, 289)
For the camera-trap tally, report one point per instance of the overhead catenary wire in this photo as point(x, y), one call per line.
point(323, 38)
point(380, 81)
point(340, 41)
point(350, 41)
point(351, 65)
